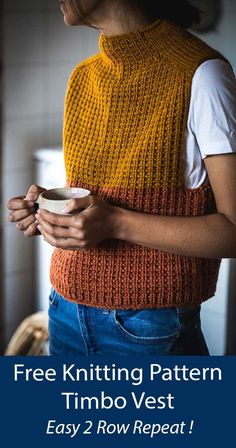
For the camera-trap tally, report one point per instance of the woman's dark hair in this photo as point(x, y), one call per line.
point(179, 12)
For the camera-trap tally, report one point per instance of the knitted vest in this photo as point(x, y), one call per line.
point(125, 122)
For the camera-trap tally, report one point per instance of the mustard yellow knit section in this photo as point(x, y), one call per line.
point(126, 109)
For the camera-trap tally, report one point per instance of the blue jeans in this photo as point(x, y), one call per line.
point(81, 330)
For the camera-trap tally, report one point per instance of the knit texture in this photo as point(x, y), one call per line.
point(125, 121)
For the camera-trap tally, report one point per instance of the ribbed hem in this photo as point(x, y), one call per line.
point(129, 277)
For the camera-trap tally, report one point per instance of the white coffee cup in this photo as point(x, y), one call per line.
point(56, 200)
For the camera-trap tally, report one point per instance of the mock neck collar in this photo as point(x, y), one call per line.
point(133, 47)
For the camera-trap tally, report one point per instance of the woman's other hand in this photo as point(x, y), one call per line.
point(82, 230)
point(22, 211)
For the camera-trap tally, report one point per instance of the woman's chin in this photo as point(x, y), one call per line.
point(70, 22)
point(70, 19)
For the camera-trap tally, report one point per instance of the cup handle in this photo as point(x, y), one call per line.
point(37, 203)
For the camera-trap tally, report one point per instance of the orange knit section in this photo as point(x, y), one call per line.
point(125, 120)
point(124, 275)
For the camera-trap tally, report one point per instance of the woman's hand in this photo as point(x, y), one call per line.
point(82, 230)
point(22, 211)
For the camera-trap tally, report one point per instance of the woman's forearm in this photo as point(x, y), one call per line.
point(210, 236)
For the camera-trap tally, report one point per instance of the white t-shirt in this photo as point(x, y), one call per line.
point(211, 127)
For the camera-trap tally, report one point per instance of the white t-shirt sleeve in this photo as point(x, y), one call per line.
point(212, 113)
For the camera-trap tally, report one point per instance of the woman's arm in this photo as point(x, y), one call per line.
point(211, 236)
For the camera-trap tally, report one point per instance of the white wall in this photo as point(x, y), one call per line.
point(39, 54)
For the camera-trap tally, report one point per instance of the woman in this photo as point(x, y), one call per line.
point(150, 130)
